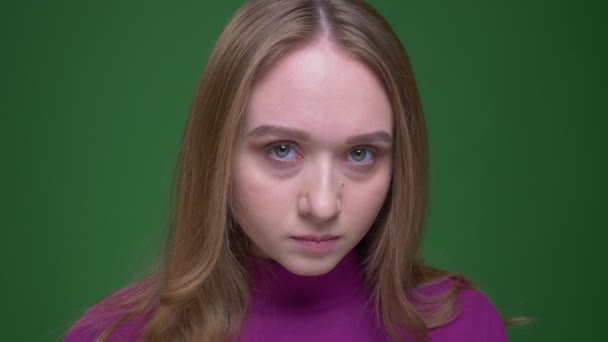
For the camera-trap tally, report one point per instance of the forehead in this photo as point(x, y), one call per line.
point(322, 90)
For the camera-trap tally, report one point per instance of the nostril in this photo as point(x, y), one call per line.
point(322, 207)
point(321, 196)
point(303, 206)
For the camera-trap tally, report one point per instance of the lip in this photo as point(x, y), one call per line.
point(316, 238)
point(315, 243)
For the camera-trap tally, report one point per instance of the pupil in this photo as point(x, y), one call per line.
point(359, 154)
point(282, 150)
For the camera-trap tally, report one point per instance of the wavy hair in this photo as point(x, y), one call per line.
point(200, 290)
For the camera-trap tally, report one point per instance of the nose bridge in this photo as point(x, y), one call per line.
point(322, 190)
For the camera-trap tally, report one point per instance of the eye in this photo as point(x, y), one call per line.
point(361, 155)
point(282, 151)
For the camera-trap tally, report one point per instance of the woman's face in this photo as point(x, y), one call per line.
point(313, 162)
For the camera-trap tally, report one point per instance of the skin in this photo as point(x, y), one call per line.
point(326, 178)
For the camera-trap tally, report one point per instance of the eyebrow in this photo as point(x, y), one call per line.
point(298, 134)
point(282, 132)
point(382, 136)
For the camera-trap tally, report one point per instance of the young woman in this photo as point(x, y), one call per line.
point(300, 197)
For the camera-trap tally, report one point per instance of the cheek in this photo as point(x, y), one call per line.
point(364, 208)
point(261, 199)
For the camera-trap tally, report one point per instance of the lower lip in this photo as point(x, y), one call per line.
point(316, 246)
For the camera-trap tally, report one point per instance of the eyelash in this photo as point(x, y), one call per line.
point(372, 150)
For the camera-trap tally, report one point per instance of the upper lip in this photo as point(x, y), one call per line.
point(316, 238)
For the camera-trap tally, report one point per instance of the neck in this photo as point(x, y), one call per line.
point(274, 288)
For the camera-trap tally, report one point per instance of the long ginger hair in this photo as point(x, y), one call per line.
point(200, 290)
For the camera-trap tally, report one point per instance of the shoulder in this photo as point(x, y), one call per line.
point(104, 314)
point(477, 319)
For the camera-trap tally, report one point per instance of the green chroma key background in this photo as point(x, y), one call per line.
point(95, 96)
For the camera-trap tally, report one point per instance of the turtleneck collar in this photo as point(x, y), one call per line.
point(274, 288)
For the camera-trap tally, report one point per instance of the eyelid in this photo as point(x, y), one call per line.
point(279, 143)
point(369, 147)
point(268, 149)
point(374, 150)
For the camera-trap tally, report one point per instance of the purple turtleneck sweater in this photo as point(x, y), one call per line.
point(331, 307)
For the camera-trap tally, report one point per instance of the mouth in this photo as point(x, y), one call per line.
point(316, 243)
point(315, 238)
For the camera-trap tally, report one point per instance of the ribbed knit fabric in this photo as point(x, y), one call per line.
point(332, 307)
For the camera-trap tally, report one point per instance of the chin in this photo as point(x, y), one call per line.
point(308, 266)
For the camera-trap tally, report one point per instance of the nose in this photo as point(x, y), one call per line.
point(320, 198)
